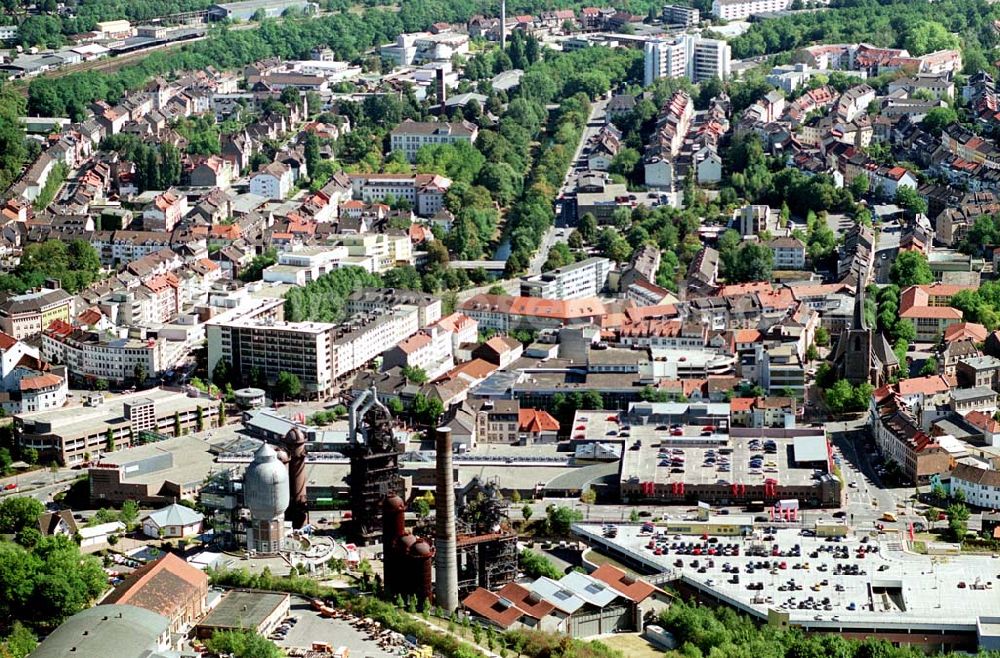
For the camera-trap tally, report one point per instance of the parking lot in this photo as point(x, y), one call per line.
point(697, 456)
point(311, 627)
point(851, 582)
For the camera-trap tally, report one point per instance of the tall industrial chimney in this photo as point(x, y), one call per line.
point(503, 24)
point(295, 446)
point(442, 91)
point(446, 560)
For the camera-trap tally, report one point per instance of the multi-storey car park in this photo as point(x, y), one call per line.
point(682, 453)
point(857, 586)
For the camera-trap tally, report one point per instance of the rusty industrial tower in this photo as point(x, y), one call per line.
point(374, 457)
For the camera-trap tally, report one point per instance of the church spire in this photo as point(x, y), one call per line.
point(859, 309)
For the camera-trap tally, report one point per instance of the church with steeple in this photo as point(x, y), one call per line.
point(863, 355)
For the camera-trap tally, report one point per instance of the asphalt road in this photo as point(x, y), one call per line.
point(565, 209)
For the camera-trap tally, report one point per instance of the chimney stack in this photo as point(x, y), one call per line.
point(446, 560)
point(442, 91)
point(503, 24)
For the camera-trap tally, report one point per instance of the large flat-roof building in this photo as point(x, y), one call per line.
point(586, 278)
point(67, 435)
point(249, 610)
point(255, 337)
point(123, 631)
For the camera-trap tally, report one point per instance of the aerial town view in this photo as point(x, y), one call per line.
point(499, 329)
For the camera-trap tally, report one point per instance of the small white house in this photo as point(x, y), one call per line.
point(97, 535)
point(173, 521)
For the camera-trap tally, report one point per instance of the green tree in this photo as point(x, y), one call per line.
point(288, 385)
point(19, 642)
point(415, 374)
point(18, 513)
point(958, 520)
point(527, 512)
point(536, 566)
point(822, 336)
point(129, 514)
point(909, 199)
point(200, 419)
point(911, 268)
point(840, 396)
point(109, 440)
point(422, 508)
point(938, 118)
point(559, 519)
point(927, 36)
point(242, 644)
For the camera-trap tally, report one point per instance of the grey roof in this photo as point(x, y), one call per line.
point(961, 394)
point(981, 362)
point(810, 449)
point(589, 589)
point(559, 596)
point(175, 514)
point(242, 609)
point(123, 631)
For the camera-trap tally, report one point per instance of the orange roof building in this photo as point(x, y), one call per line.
point(170, 587)
point(538, 423)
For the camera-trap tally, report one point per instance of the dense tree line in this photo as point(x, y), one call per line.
point(889, 24)
point(43, 579)
point(323, 300)
point(76, 264)
point(725, 633)
point(349, 34)
point(13, 150)
point(158, 166)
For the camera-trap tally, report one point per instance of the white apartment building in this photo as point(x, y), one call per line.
point(688, 56)
point(375, 300)
point(981, 486)
point(272, 182)
point(424, 192)
point(789, 253)
point(305, 264)
point(732, 10)
point(781, 370)
point(376, 252)
point(584, 279)
point(429, 349)
point(681, 15)
point(365, 337)
point(90, 355)
point(409, 136)
point(254, 337)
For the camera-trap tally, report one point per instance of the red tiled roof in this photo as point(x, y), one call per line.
point(536, 421)
point(632, 588)
point(741, 404)
point(165, 586)
point(928, 385)
point(963, 330)
point(40, 381)
point(7, 341)
point(488, 605)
